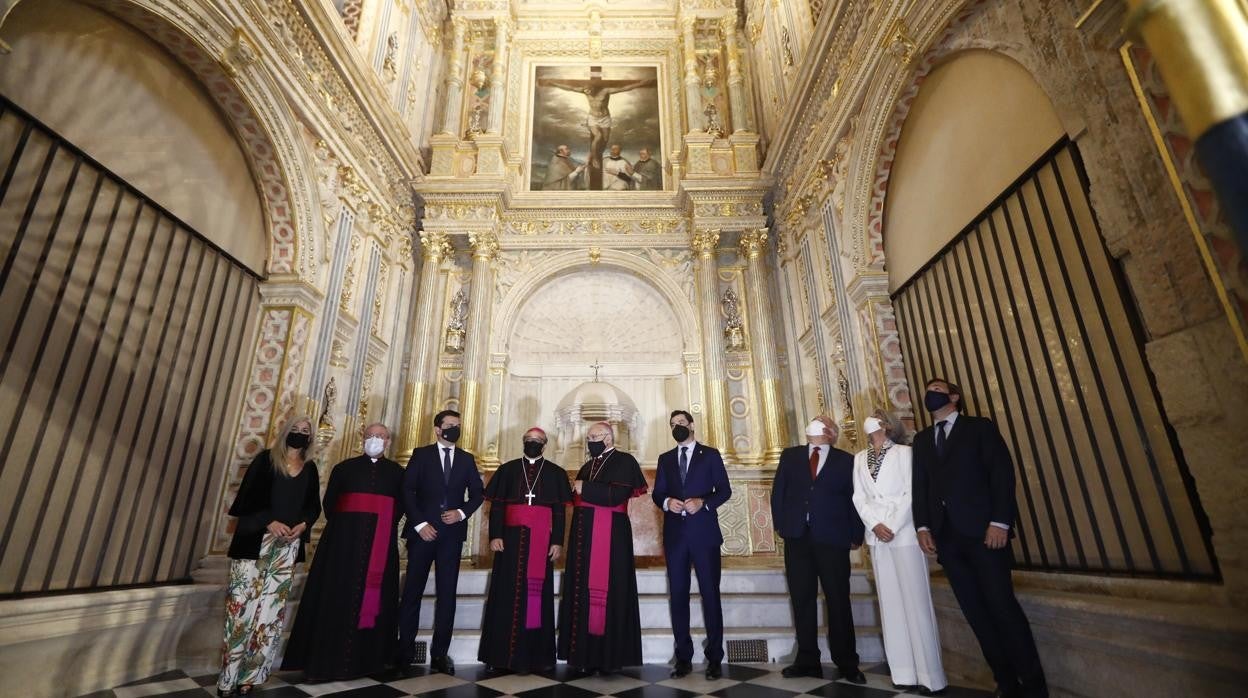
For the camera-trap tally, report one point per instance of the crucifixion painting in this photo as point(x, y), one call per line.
point(576, 121)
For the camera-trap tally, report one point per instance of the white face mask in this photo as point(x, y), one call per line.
point(374, 446)
point(815, 428)
point(872, 425)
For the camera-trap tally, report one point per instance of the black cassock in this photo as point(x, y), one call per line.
point(518, 631)
point(599, 620)
point(347, 625)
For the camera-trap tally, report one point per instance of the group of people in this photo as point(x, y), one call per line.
point(564, 173)
point(950, 495)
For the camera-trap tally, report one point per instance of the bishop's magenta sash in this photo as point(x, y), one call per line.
point(383, 507)
point(538, 520)
point(600, 562)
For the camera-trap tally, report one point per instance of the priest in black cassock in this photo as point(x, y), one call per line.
point(599, 620)
point(528, 498)
point(347, 626)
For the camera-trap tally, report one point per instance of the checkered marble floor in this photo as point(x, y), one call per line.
point(649, 681)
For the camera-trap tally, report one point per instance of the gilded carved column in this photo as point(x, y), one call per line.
point(423, 346)
point(716, 404)
point(455, 79)
point(693, 97)
point(763, 344)
point(498, 80)
point(476, 349)
point(736, 82)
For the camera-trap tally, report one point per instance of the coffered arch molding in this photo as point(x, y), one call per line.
point(208, 44)
point(575, 260)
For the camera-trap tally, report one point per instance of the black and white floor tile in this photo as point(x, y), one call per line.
point(470, 681)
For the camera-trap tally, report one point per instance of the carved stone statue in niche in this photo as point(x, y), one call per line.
point(474, 122)
point(455, 328)
point(734, 328)
point(713, 126)
point(849, 428)
point(327, 405)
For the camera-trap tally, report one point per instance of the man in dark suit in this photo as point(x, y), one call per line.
point(441, 489)
point(690, 486)
point(813, 511)
point(964, 511)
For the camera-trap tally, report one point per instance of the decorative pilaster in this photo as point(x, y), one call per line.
point(693, 98)
point(476, 352)
point(763, 345)
point(423, 345)
point(275, 386)
point(716, 404)
point(455, 79)
point(736, 82)
point(498, 81)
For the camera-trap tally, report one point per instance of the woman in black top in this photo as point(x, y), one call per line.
point(276, 506)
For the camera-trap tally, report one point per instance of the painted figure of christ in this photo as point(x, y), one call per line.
point(597, 93)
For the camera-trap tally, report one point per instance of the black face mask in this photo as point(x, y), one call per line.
point(533, 449)
point(596, 448)
point(680, 432)
point(296, 440)
point(934, 400)
point(450, 434)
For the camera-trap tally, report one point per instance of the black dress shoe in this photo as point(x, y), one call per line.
point(714, 671)
point(493, 671)
point(794, 671)
point(681, 669)
point(854, 676)
point(925, 691)
point(442, 665)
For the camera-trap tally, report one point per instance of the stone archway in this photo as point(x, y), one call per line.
point(224, 60)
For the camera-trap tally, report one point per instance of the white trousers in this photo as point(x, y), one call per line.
point(911, 641)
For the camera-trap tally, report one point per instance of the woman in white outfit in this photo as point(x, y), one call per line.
point(882, 497)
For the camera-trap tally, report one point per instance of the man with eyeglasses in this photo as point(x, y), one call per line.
point(599, 616)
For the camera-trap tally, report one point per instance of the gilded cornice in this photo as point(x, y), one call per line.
point(353, 101)
point(848, 43)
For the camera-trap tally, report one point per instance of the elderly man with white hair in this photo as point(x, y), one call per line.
point(599, 615)
point(813, 510)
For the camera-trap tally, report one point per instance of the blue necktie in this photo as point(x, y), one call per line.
point(684, 463)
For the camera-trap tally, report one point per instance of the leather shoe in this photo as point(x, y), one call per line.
point(854, 676)
point(925, 691)
point(794, 671)
point(493, 671)
point(681, 669)
point(442, 665)
point(714, 671)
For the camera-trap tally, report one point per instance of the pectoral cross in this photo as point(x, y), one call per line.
point(530, 497)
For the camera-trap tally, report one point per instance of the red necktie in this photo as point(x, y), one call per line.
point(814, 462)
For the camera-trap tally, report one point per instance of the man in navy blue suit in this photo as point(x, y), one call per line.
point(813, 511)
point(441, 489)
point(964, 512)
point(690, 486)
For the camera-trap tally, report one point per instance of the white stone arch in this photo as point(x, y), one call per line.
point(200, 38)
point(576, 260)
point(884, 110)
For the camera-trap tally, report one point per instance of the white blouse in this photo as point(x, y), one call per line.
point(886, 499)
